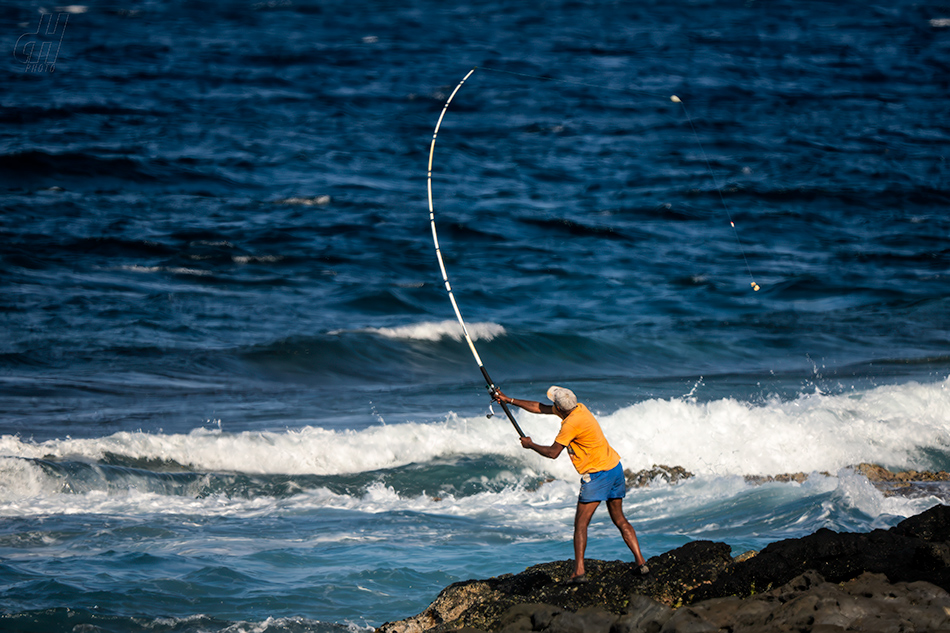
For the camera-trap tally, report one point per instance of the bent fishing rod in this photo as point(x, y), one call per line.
point(435, 238)
point(445, 277)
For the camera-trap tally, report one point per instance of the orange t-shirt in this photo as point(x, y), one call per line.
point(585, 442)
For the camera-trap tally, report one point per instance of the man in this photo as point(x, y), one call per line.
point(596, 461)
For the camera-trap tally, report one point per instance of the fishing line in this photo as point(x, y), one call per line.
point(674, 99)
point(755, 286)
point(435, 236)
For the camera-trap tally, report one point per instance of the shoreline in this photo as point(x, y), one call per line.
point(884, 580)
point(908, 483)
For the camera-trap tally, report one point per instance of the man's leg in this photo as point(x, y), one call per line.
point(615, 508)
point(581, 520)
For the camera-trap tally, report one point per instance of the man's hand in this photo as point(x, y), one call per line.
point(526, 442)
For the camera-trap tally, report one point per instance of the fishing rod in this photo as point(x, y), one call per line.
point(445, 277)
point(435, 237)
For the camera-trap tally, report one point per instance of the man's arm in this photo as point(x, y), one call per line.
point(532, 406)
point(551, 451)
point(528, 405)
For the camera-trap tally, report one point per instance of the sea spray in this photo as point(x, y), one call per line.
point(891, 424)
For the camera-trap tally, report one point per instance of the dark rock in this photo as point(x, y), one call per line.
point(885, 580)
point(542, 617)
point(485, 604)
point(643, 615)
point(897, 553)
point(587, 620)
point(868, 603)
point(520, 618)
point(932, 525)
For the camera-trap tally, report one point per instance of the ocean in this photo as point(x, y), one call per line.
point(234, 395)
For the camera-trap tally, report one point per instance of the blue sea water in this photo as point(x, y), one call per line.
point(233, 393)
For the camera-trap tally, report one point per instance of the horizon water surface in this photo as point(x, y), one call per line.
point(233, 395)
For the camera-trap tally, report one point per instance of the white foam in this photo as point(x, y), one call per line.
point(309, 450)
point(178, 270)
point(304, 201)
point(432, 331)
point(856, 492)
point(265, 259)
point(719, 441)
point(887, 425)
point(224, 243)
point(21, 479)
point(136, 268)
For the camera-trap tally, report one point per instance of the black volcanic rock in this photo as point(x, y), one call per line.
point(915, 549)
point(483, 604)
point(808, 602)
point(885, 580)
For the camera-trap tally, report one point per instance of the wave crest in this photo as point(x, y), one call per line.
point(436, 331)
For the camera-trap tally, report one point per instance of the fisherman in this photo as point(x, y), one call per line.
point(596, 461)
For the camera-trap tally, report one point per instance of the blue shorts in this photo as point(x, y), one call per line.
point(603, 485)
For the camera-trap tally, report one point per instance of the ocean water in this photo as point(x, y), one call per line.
point(233, 392)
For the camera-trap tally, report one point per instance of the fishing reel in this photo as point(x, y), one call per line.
point(491, 392)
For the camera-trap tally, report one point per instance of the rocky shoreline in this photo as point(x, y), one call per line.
point(885, 580)
point(910, 483)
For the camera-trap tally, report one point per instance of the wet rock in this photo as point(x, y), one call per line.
point(876, 473)
point(908, 483)
point(588, 620)
point(643, 615)
point(661, 473)
point(912, 484)
point(932, 526)
point(783, 478)
point(886, 580)
point(810, 603)
point(485, 604)
point(915, 549)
